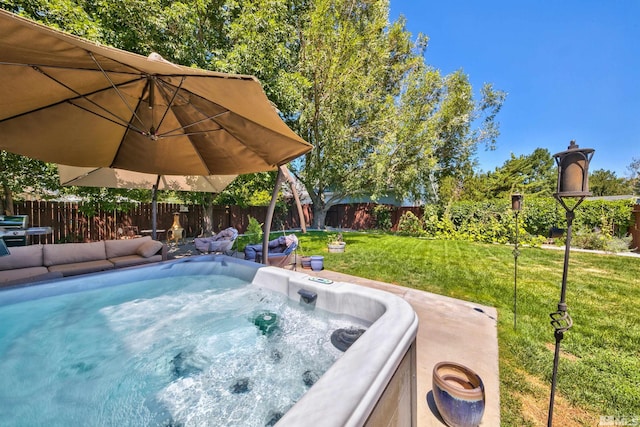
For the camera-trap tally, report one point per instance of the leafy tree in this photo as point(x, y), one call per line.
point(532, 174)
point(380, 118)
point(606, 183)
point(19, 174)
point(108, 199)
point(344, 59)
point(67, 15)
point(634, 173)
point(262, 38)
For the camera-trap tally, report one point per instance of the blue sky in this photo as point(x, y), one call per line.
point(571, 69)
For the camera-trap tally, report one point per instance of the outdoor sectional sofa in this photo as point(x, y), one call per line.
point(36, 262)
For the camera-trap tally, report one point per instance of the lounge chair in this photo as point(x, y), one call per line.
point(281, 251)
point(220, 243)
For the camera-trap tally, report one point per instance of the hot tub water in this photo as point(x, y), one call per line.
point(170, 351)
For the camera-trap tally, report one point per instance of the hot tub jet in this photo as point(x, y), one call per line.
point(343, 338)
point(267, 322)
point(307, 296)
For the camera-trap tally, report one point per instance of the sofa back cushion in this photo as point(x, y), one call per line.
point(22, 257)
point(68, 253)
point(124, 247)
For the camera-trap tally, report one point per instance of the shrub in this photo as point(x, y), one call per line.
point(430, 220)
point(382, 217)
point(612, 217)
point(254, 231)
point(493, 221)
point(410, 224)
point(600, 241)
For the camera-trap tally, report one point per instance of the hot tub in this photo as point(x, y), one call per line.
point(371, 383)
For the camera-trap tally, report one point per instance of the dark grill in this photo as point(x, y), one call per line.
point(14, 231)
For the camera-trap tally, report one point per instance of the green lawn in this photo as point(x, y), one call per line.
point(599, 373)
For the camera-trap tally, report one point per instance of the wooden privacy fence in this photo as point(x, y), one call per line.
point(69, 224)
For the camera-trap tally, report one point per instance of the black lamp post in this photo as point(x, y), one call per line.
point(573, 182)
point(516, 207)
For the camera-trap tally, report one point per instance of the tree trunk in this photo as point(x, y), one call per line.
point(7, 201)
point(207, 227)
point(319, 217)
point(320, 210)
point(207, 218)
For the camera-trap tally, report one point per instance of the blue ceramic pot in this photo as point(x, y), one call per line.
point(459, 394)
point(317, 262)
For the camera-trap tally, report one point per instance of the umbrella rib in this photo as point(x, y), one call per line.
point(205, 116)
point(79, 177)
point(106, 76)
point(173, 97)
point(202, 132)
point(206, 119)
point(124, 125)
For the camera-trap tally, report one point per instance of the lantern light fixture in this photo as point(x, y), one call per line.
point(573, 182)
point(516, 206)
point(516, 202)
point(573, 171)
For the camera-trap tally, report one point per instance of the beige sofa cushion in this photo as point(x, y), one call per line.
point(21, 273)
point(82, 267)
point(124, 247)
point(69, 253)
point(148, 249)
point(130, 260)
point(22, 257)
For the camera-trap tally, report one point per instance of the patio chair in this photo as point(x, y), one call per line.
point(282, 251)
point(220, 243)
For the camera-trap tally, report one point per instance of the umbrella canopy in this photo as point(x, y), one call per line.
point(120, 178)
point(70, 101)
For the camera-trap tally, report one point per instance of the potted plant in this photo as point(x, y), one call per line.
point(305, 260)
point(335, 242)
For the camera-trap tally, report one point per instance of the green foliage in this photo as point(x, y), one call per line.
point(67, 15)
point(249, 190)
point(541, 214)
point(634, 175)
point(601, 241)
point(431, 219)
point(109, 199)
point(254, 231)
point(494, 222)
point(410, 224)
point(377, 113)
point(533, 174)
point(21, 174)
point(611, 217)
point(382, 217)
point(606, 183)
point(334, 238)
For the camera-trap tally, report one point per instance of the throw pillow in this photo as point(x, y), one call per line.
point(149, 248)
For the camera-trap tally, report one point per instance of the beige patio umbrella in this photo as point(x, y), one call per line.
point(121, 178)
point(70, 101)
